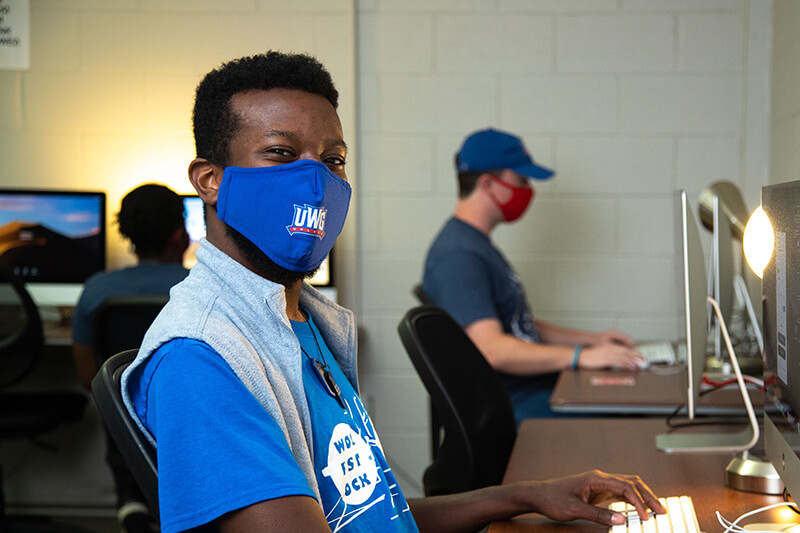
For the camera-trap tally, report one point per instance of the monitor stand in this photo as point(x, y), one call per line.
point(717, 442)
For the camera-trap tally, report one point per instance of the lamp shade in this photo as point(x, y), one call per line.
point(731, 204)
point(758, 241)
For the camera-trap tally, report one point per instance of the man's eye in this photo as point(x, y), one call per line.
point(280, 151)
point(335, 161)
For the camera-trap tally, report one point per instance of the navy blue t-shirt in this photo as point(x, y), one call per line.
point(148, 278)
point(470, 279)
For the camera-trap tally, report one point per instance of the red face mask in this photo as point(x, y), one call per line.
point(516, 205)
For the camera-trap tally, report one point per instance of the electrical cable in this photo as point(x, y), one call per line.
point(734, 526)
point(708, 422)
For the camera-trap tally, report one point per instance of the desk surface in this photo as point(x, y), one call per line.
point(57, 333)
point(549, 448)
point(656, 391)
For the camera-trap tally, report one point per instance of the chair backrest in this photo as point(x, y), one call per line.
point(469, 400)
point(137, 451)
point(21, 335)
point(122, 321)
point(421, 295)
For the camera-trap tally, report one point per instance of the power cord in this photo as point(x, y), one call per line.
point(734, 526)
point(752, 382)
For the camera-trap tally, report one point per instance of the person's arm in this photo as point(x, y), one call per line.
point(291, 513)
point(508, 354)
point(564, 499)
point(552, 334)
point(85, 364)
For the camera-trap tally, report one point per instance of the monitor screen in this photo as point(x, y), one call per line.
point(693, 268)
point(781, 301)
point(53, 236)
point(196, 227)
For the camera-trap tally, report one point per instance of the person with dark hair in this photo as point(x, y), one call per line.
point(467, 276)
point(246, 382)
point(151, 217)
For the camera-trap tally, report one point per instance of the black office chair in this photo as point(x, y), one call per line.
point(121, 322)
point(436, 424)
point(423, 297)
point(26, 414)
point(469, 400)
point(137, 451)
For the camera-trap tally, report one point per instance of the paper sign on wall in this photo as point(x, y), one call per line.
point(15, 32)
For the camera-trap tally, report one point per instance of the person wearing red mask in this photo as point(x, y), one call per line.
point(468, 277)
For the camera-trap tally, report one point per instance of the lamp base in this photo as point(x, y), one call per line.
point(749, 472)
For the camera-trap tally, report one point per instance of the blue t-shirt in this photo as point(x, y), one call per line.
point(146, 278)
point(219, 450)
point(470, 279)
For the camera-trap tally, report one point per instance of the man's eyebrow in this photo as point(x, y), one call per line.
point(293, 137)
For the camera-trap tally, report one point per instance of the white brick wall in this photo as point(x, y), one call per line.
point(627, 99)
point(785, 162)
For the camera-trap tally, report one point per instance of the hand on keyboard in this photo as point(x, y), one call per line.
point(680, 518)
point(579, 497)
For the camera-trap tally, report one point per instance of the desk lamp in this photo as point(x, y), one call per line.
point(731, 203)
point(746, 471)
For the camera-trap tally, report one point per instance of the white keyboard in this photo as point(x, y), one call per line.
point(680, 518)
point(661, 352)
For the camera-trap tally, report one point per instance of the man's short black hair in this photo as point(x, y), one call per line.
point(214, 121)
point(148, 216)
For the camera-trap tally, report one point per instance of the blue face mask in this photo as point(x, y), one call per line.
point(293, 212)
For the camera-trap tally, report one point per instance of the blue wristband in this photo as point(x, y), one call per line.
point(575, 357)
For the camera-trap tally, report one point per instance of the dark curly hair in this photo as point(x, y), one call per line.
point(214, 121)
point(148, 216)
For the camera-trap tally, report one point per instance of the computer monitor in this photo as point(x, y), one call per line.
point(692, 270)
point(721, 267)
point(196, 227)
point(781, 317)
point(53, 240)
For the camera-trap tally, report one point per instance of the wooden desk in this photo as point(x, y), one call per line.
point(655, 391)
point(549, 448)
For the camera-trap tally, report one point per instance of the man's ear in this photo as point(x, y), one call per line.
point(484, 180)
point(206, 178)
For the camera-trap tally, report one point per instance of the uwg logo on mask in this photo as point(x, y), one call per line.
point(308, 220)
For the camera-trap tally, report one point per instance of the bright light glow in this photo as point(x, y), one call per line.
point(758, 241)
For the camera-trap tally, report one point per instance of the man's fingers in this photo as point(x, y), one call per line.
point(638, 494)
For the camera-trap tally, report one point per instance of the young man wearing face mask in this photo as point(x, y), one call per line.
point(468, 276)
point(247, 380)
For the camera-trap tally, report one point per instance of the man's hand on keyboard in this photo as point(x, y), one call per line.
point(610, 356)
point(577, 497)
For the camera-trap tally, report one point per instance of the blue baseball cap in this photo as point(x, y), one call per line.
point(491, 149)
